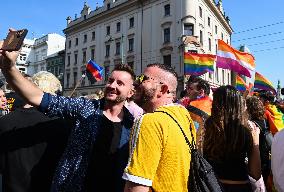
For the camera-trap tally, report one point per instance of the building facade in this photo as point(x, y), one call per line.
point(139, 32)
point(34, 55)
point(55, 64)
point(42, 48)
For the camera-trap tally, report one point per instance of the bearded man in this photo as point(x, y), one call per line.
point(159, 155)
point(97, 149)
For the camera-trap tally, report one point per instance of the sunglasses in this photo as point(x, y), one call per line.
point(141, 78)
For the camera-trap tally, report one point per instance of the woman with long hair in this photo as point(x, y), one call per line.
point(229, 139)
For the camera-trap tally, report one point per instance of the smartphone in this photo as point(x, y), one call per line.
point(14, 40)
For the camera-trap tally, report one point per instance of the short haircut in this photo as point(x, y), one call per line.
point(126, 68)
point(166, 68)
point(201, 84)
point(47, 82)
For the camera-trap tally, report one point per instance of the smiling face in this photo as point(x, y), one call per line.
point(3, 100)
point(119, 87)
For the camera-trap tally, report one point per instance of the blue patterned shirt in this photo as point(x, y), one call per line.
point(72, 168)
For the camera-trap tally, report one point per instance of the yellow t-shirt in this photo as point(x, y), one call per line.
point(159, 155)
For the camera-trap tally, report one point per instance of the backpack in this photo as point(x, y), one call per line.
point(201, 175)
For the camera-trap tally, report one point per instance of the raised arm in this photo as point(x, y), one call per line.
point(30, 92)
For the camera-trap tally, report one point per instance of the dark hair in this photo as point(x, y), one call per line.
point(166, 68)
point(226, 130)
point(266, 96)
point(126, 68)
point(183, 93)
point(255, 108)
point(201, 84)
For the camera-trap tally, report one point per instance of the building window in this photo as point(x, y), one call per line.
point(201, 37)
point(167, 35)
point(107, 50)
point(217, 74)
point(131, 64)
point(85, 38)
point(106, 72)
point(118, 27)
point(167, 60)
point(108, 30)
point(209, 21)
point(188, 29)
point(200, 12)
point(68, 60)
point(209, 44)
point(93, 35)
point(131, 44)
point(67, 79)
point(69, 44)
point(92, 54)
point(222, 36)
point(216, 29)
point(75, 78)
point(76, 43)
point(108, 6)
point(167, 10)
point(131, 22)
point(223, 76)
point(76, 58)
point(117, 50)
point(84, 57)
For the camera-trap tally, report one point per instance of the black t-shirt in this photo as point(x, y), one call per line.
point(31, 145)
point(104, 172)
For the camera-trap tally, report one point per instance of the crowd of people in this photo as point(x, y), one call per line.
point(127, 138)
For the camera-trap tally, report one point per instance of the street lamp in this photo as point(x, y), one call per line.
point(122, 56)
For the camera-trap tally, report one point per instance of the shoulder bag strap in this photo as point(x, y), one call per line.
point(190, 144)
point(197, 111)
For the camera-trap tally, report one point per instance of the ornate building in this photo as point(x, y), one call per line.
point(139, 32)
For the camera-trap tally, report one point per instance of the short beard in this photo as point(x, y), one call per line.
point(146, 97)
point(117, 100)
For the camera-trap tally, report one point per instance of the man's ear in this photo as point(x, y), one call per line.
point(131, 93)
point(164, 89)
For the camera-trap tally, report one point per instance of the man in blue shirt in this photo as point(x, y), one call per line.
point(97, 150)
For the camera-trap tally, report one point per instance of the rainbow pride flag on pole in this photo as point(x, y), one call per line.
point(230, 58)
point(198, 64)
point(241, 84)
point(263, 83)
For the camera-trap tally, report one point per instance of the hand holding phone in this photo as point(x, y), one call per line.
point(14, 40)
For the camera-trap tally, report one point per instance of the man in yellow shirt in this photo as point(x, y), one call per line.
point(159, 155)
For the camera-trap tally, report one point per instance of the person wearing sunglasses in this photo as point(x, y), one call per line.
point(159, 158)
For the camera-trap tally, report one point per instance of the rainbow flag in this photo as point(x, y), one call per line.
point(241, 84)
point(230, 58)
point(262, 83)
point(275, 118)
point(198, 64)
point(94, 72)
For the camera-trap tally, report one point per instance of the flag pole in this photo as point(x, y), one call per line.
point(77, 84)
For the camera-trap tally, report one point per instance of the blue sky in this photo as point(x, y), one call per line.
point(266, 42)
